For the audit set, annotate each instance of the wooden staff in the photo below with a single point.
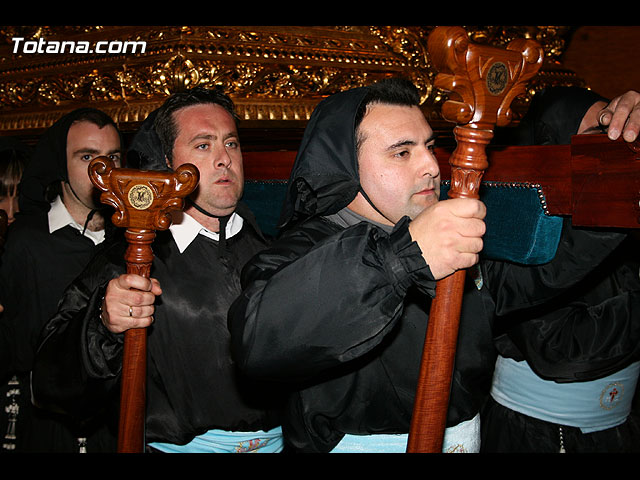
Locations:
(143, 201)
(483, 80)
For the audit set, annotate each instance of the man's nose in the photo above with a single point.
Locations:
(12, 210)
(431, 166)
(223, 160)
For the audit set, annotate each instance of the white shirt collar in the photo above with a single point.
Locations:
(59, 217)
(184, 229)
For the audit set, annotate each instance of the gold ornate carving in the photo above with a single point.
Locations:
(274, 73)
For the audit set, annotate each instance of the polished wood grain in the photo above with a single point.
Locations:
(483, 81)
(605, 182)
(143, 201)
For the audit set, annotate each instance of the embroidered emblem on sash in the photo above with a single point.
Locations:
(458, 448)
(611, 395)
(250, 446)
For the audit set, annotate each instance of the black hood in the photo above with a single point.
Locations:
(555, 115)
(8, 144)
(48, 165)
(324, 178)
(145, 151)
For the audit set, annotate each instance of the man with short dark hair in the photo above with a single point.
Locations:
(338, 305)
(196, 399)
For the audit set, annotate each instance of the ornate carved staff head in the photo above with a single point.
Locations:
(482, 81)
(142, 199)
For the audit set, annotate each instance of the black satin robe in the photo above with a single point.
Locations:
(36, 268)
(192, 383)
(350, 338)
(589, 331)
(341, 313)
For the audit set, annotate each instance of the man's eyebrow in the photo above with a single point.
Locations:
(202, 136)
(403, 143)
(85, 150)
(210, 136)
(93, 151)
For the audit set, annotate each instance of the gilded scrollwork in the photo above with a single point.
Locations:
(274, 72)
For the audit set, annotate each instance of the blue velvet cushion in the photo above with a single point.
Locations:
(518, 229)
(265, 198)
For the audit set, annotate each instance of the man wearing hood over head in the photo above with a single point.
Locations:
(338, 305)
(197, 402)
(58, 229)
(13, 157)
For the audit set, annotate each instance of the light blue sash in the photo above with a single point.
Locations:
(591, 406)
(221, 441)
(462, 438)
(381, 443)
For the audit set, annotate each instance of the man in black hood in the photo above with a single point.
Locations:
(196, 399)
(59, 227)
(13, 157)
(338, 305)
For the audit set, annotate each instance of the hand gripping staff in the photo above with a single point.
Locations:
(482, 80)
(143, 201)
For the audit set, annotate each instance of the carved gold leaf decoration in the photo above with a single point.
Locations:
(272, 72)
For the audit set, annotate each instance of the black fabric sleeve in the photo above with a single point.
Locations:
(581, 319)
(315, 300)
(580, 341)
(78, 361)
(19, 322)
(580, 251)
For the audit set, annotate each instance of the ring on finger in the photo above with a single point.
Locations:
(131, 311)
(601, 118)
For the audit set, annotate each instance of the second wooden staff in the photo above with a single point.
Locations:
(143, 201)
(483, 80)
